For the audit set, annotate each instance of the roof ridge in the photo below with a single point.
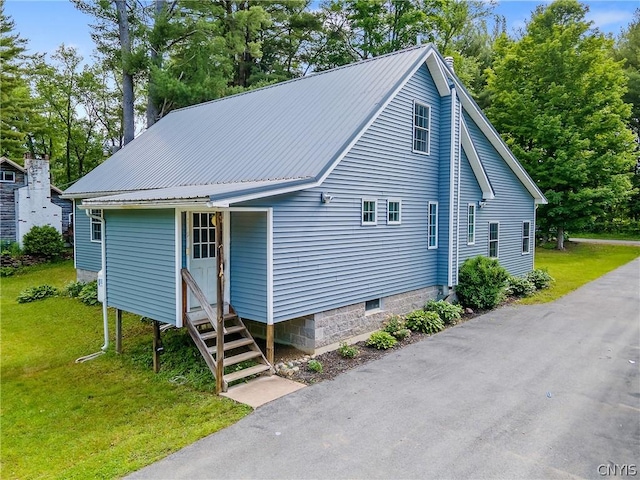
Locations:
(311, 75)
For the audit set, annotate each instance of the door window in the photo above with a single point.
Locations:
(204, 236)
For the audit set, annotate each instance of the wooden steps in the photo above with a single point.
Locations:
(247, 372)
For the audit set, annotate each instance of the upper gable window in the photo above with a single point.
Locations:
(421, 127)
(7, 176)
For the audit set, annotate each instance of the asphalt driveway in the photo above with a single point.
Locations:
(542, 391)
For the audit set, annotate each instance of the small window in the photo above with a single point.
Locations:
(471, 224)
(393, 211)
(370, 305)
(204, 236)
(369, 212)
(96, 226)
(421, 124)
(526, 238)
(433, 225)
(7, 176)
(493, 239)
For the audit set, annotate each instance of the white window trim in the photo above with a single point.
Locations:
(375, 211)
(374, 310)
(496, 240)
(399, 202)
(528, 252)
(413, 128)
(432, 247)
(475, 212)
(4, 180)
(97, 212)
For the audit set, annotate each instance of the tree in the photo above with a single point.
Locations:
(556, 94)
(16, 104)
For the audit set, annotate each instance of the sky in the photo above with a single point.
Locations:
(48, 23)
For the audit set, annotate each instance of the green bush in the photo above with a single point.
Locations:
(315, 366)
(32, 294)
(89, 293)
(347, 351)
(43, 241)
(8, 271)
(519, 287)
(480, 282)
(395, 326)
(425, 322)
(540, 278)
(381, 340)
(448, 312)
(402, 334)
(8, 247)
(73, 289)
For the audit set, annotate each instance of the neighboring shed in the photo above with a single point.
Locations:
(27, 199)
(331, 201)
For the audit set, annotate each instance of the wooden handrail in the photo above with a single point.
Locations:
(202, 299)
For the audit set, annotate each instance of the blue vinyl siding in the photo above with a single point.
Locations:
(323, 257)
(249, 264)
(88, 254)
(141, 275)
(511, 206)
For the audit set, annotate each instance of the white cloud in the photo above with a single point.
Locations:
(604, 18)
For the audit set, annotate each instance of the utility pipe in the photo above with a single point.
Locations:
(105, 318)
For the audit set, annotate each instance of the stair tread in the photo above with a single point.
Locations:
(241, 357)
(247, 372)
(213, 334)
(199, 317)
(233, 344)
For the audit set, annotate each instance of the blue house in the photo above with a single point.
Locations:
(343, 196)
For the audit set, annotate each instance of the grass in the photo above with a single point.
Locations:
(607, 236)
(579, 264)
(100, 419)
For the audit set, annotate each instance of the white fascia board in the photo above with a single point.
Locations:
(494, 138)
(434, 64)
(474, 161)
(143, 205)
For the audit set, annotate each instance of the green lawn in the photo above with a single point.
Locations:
(100, 419)
(607, 236)
(580, 263)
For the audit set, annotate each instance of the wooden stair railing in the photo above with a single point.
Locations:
(238, 345)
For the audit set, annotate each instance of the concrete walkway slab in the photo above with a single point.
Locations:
(262, 390)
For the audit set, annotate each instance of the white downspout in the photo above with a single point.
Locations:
(452, 168)
(105, 318)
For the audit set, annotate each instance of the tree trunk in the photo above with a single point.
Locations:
(560, 239)
(156, 59)
(127, 77)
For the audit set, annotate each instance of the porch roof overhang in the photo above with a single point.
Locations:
(219, 195)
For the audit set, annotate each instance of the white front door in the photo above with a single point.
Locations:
(202, 261)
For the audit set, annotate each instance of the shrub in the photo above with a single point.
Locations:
(381, 340)
(520, 287)
(8, 247)
(347, 351)
(540, 278)
(315, 366)
(73, 289)
(395, 326)
(448, 312)
(8, 271)
(89, 293)
(402, 334)
(480, 282)
(44, 241)
(425, 322)
(32, 294)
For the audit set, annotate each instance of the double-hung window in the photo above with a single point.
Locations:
(493, 239)
(471, 224)
(393, 211)
(526, 238)
(421, 127)
(433, 225)
(7, 176)
(369, 211)
(96, 226)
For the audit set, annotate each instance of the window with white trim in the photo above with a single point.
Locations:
(526, 237)
(372, 305)
(369, 211)
(393, 211)
(494, 232)
(433, 225)
(203, 235)
(7, 176)
(96, 226)
(421, 127)
(471, 224)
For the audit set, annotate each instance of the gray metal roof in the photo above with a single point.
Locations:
(292, 130)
